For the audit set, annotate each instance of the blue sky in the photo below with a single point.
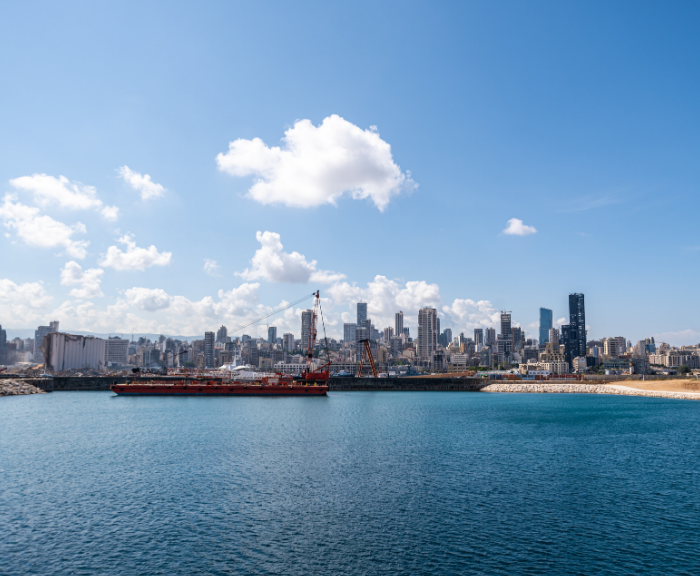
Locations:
(579, 119)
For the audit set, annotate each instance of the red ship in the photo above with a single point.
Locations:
(311, 383)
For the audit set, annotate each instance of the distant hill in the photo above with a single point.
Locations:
(29, 333)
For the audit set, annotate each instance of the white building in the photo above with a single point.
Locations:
(116, 350)
(427, 333)
(69, 352)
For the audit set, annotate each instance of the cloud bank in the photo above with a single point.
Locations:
(318, 165)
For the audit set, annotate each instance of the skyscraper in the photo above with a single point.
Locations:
(479, 336)
(573, 334)
(545, 324)
(39, 334)
(271, 334)
(506, 331)
(288, 342)
(208, 349)
(448, 337)
(427, 333)
(221, 334)
(398, 323)
(490, 336)
(3, 347)
(361, 313)
(305, 327)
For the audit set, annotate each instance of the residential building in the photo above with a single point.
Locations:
(221, 334)
(288, 342)
(39, 334)
(398, 323)
(553, 336)
(427, 333)
(479, 336)
(305, 328)
(506, 331)
(388, 333)
(545, 325)
(349, 333)
(209, 350)
(271, 334)
(490, 336)
(574, 334)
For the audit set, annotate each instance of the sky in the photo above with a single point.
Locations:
(168, 167)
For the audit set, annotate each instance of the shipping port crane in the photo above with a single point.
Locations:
(366, 348)
(321, 374)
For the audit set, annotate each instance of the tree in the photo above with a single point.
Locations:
(683, 369)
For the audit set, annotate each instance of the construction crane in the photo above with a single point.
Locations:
(366, 348)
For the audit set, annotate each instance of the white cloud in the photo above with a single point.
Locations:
(149, 299)
(317, 165)
(42, 231)
(49, 190)
(110, 212)
(134, 258)
(211, 267)
(679, 338)
(271, 263)
(22, 304)
(517, 228)
(469, 314)
(88, 280)
(142, 183)
(562, 320)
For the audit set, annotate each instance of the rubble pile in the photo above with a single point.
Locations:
(18, 387)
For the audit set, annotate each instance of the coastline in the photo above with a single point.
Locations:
(579, 388)
(18, 388)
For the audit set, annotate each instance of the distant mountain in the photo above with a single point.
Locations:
(29, 333)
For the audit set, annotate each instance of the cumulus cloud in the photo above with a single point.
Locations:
(149, 299)
(134, 258)
(141, 183)
(88, 280)
(42, 231)
(273, 264)
(50, 190)
(22, 304)
(472, 314)
(517, 228)
(110, 212)
(317, 165)
(211, 267)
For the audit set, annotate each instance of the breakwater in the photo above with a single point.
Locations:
(578, 388)
(18, 387)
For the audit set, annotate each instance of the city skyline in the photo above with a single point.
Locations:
(202, 193)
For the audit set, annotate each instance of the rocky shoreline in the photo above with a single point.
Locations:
(578, 388)
(18, 388)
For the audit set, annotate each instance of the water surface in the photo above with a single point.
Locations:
(355, 483)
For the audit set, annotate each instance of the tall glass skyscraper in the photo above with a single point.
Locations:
(545, 324)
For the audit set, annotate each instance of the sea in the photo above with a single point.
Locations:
(353, 483)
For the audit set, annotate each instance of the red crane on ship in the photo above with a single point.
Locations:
(323, 373)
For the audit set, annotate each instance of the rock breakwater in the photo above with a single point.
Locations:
(579, 388)
(18, 388)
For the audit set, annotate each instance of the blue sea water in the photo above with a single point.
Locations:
(355, 483)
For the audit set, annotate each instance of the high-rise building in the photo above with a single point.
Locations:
(288, 342)
(518, 340)
(574, 334)
(490, 336)
(438, 326)
(398, 323)
(388, 333)
(545, 325)
(479, 336)
(39, 334)
(506, 331)
(349, 332)
(553, 336)
(361, 313)
(427, 333)
(271, 334)
(221, 334)
(3, 347)
(209, 350)
(448, 337)
(116, 350)
(305, 328)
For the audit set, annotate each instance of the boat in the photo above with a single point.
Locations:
(240, 382)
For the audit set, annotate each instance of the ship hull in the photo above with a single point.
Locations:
(217, 390)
